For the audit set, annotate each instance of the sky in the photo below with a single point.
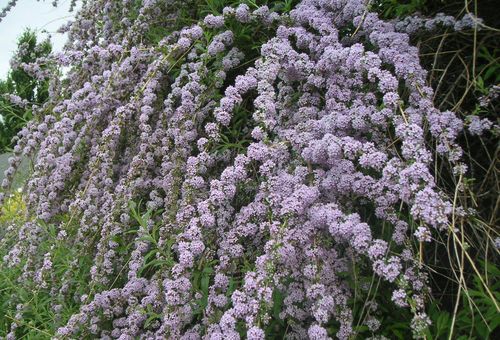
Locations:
(37, 15)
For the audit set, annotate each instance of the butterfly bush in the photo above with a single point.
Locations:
(335, 172)
(3, 13)
(413, 24)
(12, 3)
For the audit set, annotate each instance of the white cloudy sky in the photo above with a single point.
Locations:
(37, 15)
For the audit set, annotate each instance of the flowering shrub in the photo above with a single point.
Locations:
(230, 185)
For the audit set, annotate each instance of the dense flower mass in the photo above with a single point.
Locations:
(331, 119)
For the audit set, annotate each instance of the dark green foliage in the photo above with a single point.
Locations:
(477, 316)
(399, 8)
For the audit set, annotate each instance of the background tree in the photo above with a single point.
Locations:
(20, 89)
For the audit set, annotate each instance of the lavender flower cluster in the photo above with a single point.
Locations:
(413, 24)
(338, 124)
(7, 9)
